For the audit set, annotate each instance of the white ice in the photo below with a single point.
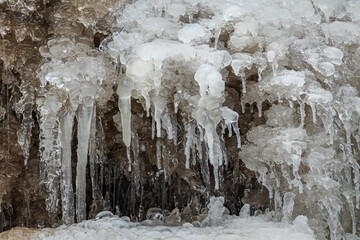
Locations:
(233, 228)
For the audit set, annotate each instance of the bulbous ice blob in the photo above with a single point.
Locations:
(326, 69)
(335, 55)
(193, 33)
(209, 80)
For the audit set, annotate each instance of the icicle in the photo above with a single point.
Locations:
(274, 68)
(201, 133)
(231, 119)
(193, 152)
(223, 152)
(291, 104)
(296, 181)
(236, 128)
(152, 128)
(212, 141)
(331, 210)
(166, 122)
(199, 150)
(357, 139)
(165, 157)
(251, 108)
(263, 172)
(24, 134)
(349, 199)
(147, 103)
(242, 106)
(328, 122)
(229, 127)
(286, 174)
(92, 154)
(260, 70)
(189, 139)
(158, 153)
(302, 112)
(175, 124)
(356, 171)
(259, 106)
(275, 175)
(313, 110)
(135, 149)
(217, 35)
(176, 101)
(84, 124)
(159, 107)
(288, 206)
(348, 135)
(216, 175)
(124, 93)
(100, 141)
(204, 166)
(277, 201)
(50, 150)
(66, 127)
(243, 82)
(128, 154)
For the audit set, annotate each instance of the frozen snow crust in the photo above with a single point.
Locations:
(177, 56)
(113, 227)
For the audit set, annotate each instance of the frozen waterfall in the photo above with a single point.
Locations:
(174, 102)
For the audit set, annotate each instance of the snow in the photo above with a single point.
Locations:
(233, 227)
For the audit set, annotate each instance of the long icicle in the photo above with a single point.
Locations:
(67, 197)
(84, 123)
(92, 155)
(124, 93)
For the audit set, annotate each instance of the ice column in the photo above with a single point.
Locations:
(124, 93)
(67, 197)
(26, 108)
(92, 154)
(208, 115)
(288, 206)
(73, 78)
(84, 123)
(50, 149)
(24, 134)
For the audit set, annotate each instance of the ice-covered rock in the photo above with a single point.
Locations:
(296, 62)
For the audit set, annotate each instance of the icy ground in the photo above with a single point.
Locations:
(233, 227)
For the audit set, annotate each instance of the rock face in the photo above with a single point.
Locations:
(136, 106)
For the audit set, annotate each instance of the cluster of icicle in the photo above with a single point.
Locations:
(73, 81)
(175, 57)
(297, 49)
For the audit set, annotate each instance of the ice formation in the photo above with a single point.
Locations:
(302, 62)
(242, 228)
(176, 58)
(109, 226)
(75, 84)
